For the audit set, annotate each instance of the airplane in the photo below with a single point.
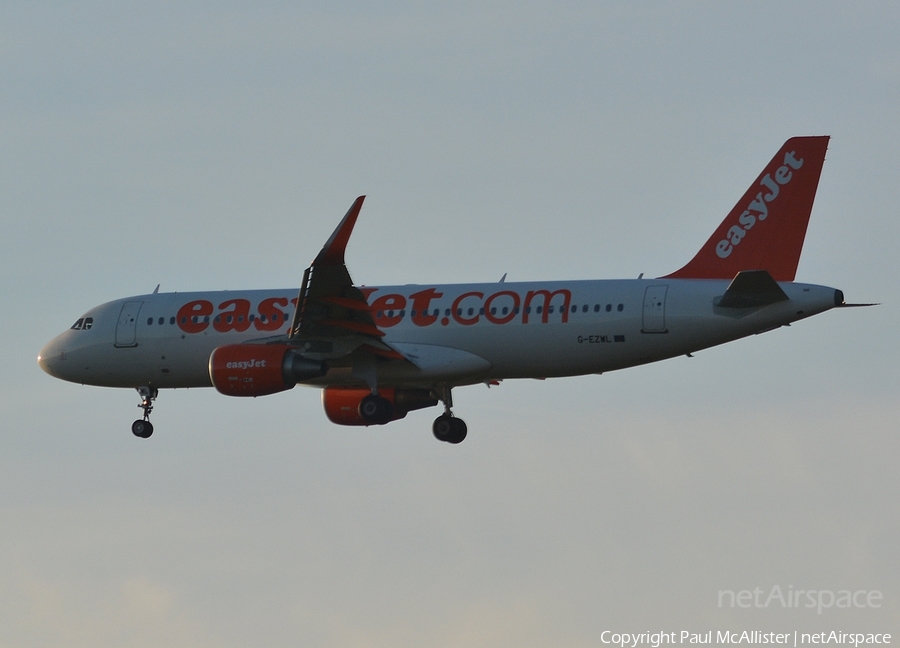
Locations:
(381, 352)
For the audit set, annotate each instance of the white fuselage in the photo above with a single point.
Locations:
(464, 333)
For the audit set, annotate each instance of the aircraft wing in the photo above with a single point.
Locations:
(329, 305)
(332, 318)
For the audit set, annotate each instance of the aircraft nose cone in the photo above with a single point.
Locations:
(49, 356)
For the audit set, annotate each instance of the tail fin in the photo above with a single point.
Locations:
(765, 230)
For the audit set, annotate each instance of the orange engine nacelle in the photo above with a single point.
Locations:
(342, 403)
(259, 369)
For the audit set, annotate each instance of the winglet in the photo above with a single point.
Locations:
(333, 251)
(766, 228)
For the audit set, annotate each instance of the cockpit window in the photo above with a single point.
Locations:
(83, 324)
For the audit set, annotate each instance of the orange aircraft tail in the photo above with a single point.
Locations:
(766, 228)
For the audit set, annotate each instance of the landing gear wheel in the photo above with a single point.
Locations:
(375, 410)
(459, 431)
(442, 427)
(449, 429)
(142, 429)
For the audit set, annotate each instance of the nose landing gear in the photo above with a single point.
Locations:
(142, 427)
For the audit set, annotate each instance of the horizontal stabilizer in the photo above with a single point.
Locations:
(751, 289)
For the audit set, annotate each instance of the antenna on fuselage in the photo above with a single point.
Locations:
(156, 290)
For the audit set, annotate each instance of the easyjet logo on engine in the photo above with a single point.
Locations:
(758, 210)
(246, 364)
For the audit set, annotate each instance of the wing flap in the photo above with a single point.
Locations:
(440, 361)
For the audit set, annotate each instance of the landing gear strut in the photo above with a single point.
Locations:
(142, 427)
(447, 427)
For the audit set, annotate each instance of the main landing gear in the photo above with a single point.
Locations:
(447, 427)
(142, 427)
(375, 409)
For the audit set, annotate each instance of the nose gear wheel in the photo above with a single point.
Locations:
(142, 427)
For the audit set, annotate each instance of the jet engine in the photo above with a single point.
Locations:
(358, 406)
(259, 369)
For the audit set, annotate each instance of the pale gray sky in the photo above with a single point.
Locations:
(216, 145)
